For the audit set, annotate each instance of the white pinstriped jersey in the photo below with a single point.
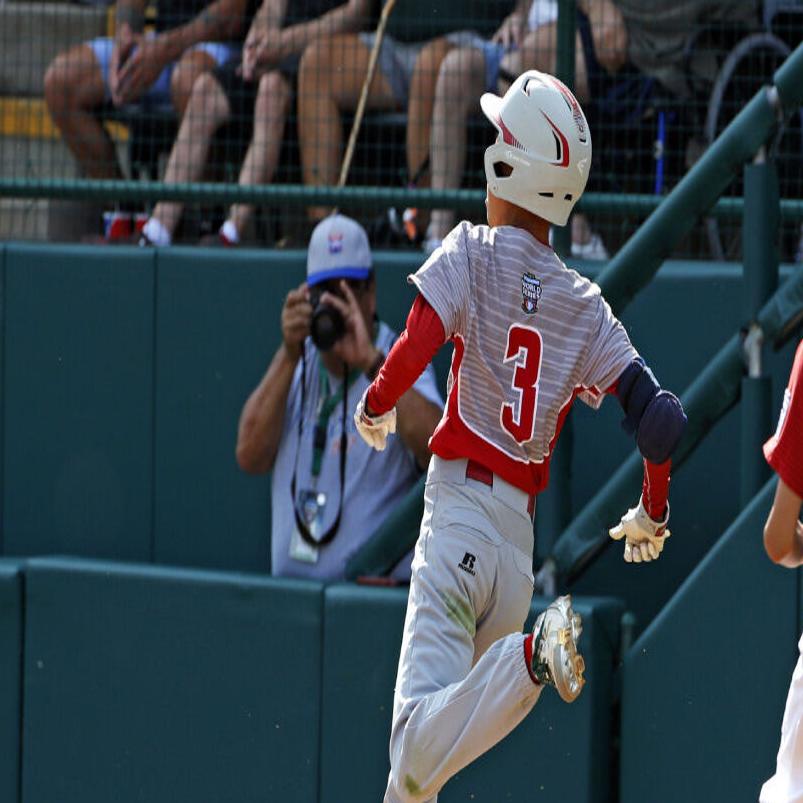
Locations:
(529, 336)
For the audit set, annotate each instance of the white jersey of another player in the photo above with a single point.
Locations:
(529, 336)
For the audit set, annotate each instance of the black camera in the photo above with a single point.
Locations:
(327, 325)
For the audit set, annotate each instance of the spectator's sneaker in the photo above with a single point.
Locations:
(411, 227)
(556, 661)
(117, 226)
(593, 249)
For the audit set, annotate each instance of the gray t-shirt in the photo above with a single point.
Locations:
(374, 481)
(659, 32)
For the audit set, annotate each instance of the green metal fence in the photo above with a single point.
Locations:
(657, 85)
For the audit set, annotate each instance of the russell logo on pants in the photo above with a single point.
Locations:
(467, 564)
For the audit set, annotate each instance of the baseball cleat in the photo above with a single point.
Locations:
(556, 661)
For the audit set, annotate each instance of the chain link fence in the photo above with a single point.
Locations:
(247, 94)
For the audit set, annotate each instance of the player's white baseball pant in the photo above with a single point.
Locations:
(786, 786)
(463, 682)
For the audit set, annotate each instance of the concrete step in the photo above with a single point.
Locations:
(32, 34)
(23, 219)
(44, 219)
(22, 157)
(36, 158)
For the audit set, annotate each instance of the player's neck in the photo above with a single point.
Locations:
(512, 215)
(539, 228)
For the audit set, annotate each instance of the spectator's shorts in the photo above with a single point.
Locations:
(397, 60)
(159, 92)
(242, 94)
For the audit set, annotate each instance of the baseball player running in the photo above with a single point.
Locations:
(529, 336)
(783, 541)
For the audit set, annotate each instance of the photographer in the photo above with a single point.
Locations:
(329, 494)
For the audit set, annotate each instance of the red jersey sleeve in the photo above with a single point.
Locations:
(784, 450)
(411, 353)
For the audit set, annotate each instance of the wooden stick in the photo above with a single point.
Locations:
(369, 76)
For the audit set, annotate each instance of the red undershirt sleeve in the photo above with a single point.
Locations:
(410, 355)
(655, 488)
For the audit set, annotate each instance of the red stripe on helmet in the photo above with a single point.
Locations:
(507, 134)
(574, 106)
(564, 143)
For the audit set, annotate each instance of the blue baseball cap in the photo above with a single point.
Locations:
(338, 249)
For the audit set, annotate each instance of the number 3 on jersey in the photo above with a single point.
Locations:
(523, 346)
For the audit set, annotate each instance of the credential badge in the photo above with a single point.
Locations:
(530, 293)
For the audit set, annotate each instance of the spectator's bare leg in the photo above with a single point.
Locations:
(539, 51)
(460, 81)
(206, 110)
(270, 113)
(330, 78)
(191, 65)
(422, 100)
(73, 90)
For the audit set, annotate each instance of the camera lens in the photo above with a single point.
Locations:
(327, 326)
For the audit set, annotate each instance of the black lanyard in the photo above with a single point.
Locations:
(320, 433)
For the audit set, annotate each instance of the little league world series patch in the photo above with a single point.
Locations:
(530, 293)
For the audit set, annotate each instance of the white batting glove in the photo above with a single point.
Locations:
(375, 429)
(644, 538)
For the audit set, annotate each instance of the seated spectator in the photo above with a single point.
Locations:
(783, 541)
(258, 92)
(331, 77)
(659, 32)
(330, 492)
(140, 69)
(526, 39)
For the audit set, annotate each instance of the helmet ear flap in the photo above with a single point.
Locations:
(497, 167)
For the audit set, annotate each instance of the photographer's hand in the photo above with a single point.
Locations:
(296, 317)
(355, 347)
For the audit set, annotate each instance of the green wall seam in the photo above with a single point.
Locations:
(2, 387)
(154, 396)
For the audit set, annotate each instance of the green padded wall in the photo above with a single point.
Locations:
(77, 416)
(10, 678)
(2, 381)
(146, 684)
(217, 326)
(704, 303)
(704, 687)
(559, 753)
(126, 371)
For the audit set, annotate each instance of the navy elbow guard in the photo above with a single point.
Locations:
(655, 416)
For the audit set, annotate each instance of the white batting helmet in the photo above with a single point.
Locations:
(544, 139)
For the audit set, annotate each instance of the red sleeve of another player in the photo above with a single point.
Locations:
(410, 355)
(655, 488)
(784, 450)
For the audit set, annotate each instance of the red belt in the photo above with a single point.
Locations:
(476, 471)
